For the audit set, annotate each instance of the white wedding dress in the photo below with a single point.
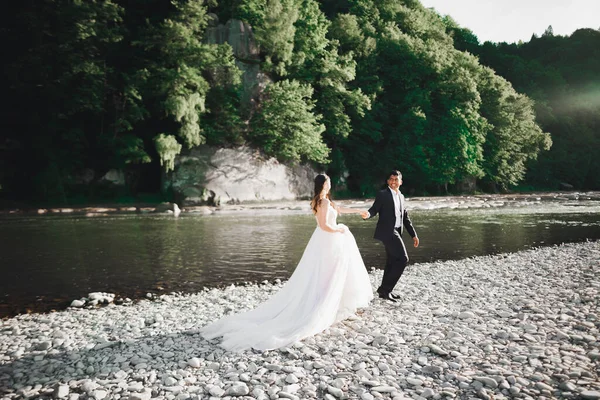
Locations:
(328, 285)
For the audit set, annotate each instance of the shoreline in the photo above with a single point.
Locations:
(415, 203)
(523, 324)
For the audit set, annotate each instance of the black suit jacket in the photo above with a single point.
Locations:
(384, 206)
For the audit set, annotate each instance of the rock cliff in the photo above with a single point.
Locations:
(210, 176)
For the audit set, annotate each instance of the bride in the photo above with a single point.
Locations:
(328, 285)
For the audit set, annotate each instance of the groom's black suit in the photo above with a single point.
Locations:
(391, 237)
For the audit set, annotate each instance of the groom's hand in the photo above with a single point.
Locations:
(364, 214)
(416, 241)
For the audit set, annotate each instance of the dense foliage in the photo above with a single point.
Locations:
(562, 75)
(356, 86)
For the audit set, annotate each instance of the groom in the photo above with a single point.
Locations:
(393, 217)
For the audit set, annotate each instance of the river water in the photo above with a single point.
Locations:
(47, 261)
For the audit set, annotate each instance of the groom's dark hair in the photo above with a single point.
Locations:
(394, 172)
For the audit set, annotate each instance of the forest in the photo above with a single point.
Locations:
(355, 87)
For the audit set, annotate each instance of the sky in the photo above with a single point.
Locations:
(514, 20)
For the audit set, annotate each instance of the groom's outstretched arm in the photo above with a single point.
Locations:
(376, 207)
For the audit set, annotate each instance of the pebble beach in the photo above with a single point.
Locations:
(519, 325)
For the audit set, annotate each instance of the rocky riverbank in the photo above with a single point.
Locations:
(520, 325)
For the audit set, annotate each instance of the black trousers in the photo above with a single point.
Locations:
(395, 263)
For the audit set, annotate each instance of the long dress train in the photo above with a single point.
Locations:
(328, 285)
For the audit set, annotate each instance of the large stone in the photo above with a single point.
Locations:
(168, 207)
(590, 394)
(438, 350)
(61, 391)
(77, 303)
(194, 362)
(238, 389)
(565, 186)
(210, 176)
(116, 177)
(145, 395)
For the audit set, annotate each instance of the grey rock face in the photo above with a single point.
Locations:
(210, 176)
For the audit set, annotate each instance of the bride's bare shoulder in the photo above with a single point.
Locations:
(323, 204)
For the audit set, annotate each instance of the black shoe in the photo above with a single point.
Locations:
(388, 297)
(394, 296)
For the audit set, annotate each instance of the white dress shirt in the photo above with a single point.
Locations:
(397, 207)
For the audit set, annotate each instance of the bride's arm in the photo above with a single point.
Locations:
(322, 210)
(346, 210)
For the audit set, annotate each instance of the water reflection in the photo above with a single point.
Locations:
(59, 258)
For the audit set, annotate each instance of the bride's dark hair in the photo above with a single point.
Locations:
(319, 183)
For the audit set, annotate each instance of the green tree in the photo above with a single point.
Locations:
(107, 77)
(515, 137)
(286, 127)
(317, 62)
(62, 72)
(560, 74)
(273, 24)
(359, 86)
(428, 116)
(177, 65)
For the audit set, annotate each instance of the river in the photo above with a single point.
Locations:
(49, 260)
